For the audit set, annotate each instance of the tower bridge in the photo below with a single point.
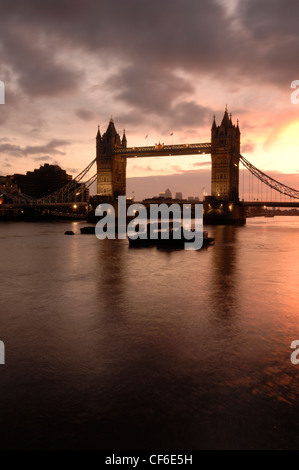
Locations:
(112, 154)
(222, 206)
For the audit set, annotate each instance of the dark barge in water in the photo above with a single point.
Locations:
(175, 239)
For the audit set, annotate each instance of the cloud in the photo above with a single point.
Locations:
(247, 147)
(44, 158)
(160, 65)
(205, 164)
(131, 28)
(147, 168)
(160, 47)
(158, 93)
(18, 151)
(190, 114)
(177, 168)
(154, 39)
(51, 147)
(271, 28)
(148, 89)
(85, 114)
(10, 149)
(35, 61)
(73, 171)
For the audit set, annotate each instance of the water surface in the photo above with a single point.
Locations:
(109, 347)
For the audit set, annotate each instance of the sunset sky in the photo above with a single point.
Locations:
(158, 67)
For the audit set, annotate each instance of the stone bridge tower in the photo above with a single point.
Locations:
(225, 148)
(111, 169)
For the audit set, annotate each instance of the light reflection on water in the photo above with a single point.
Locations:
(114, 348)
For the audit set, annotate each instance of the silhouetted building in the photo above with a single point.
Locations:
(46, 180)
(178, 195)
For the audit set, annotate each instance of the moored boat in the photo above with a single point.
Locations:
(153, 236)
(186, 237)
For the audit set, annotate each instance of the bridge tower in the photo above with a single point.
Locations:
(111, 169)
(225, 148)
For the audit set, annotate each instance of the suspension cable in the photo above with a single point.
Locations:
(269, 181)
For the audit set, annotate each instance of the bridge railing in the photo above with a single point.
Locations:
(16, 197)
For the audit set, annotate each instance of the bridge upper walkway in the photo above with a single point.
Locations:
(161, 150)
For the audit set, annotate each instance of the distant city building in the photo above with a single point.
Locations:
(190, 198)
(46, 180)
(166, 194)
(178, 195)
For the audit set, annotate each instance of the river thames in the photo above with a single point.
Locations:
(114, 348)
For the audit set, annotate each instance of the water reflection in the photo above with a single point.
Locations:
(224, 292)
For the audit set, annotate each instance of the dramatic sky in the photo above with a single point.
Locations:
(158, 67)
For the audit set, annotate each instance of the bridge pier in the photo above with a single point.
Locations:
(223, 212)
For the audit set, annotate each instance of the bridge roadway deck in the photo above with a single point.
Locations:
(43, 205)
(241, 203)
(269, 204)
(168, 202)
